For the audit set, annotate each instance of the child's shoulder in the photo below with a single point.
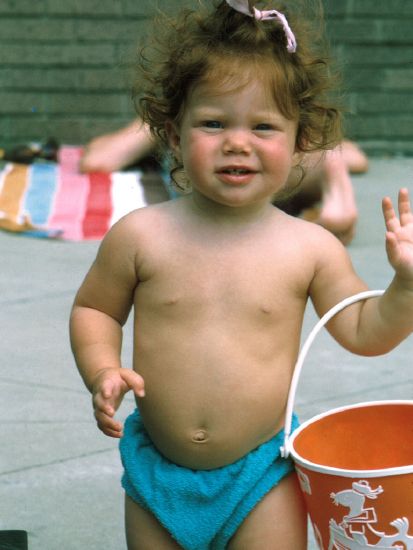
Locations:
(144, 220)
(305, 230)
(137, 233)
(314, 244)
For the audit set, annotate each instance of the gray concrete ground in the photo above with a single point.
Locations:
(59, 477)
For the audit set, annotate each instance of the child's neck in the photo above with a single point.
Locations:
(222, 215)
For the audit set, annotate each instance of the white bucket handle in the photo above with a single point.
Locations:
(285, 450)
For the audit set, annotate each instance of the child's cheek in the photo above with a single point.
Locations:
(199, 154)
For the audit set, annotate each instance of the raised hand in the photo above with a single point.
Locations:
(399, 235)
(109, 388)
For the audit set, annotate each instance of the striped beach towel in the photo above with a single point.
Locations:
(54, 200)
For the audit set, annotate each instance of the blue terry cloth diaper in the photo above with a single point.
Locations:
(201, 509)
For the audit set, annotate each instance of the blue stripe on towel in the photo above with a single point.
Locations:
(41, 191)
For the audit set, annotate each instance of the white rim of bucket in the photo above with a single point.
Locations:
(299, 460)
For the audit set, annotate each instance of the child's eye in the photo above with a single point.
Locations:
(264, 127)
(212, 124)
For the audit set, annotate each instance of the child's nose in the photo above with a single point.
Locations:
(236, 142)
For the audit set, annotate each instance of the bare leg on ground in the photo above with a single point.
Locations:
(117, 150)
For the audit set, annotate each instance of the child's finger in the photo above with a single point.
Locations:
(392, 247)
(108, 425)
(134, 381)
(405, 211)
(106, 389)
(391, 220)
(104, 400)
(112, 433)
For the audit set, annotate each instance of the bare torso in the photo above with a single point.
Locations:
(217, 328)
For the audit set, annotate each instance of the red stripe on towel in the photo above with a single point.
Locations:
(99, 206)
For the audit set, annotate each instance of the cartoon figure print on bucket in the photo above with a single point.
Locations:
(355, 466)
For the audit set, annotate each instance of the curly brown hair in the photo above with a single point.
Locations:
(228, 48)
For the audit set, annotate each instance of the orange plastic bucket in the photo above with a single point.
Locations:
(355, 467)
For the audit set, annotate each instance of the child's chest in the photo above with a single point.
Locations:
(227, 277)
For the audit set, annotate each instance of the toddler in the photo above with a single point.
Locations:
(218, 280)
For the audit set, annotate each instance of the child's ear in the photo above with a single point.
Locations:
(174, 139)
(297, 157)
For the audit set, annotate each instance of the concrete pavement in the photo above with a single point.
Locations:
(59, 477)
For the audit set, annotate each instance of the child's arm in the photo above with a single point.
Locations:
(395, 308)
(101, 308)
(374, 326)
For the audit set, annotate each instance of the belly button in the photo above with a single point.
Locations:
(200, 436)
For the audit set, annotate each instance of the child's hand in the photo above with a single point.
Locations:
(399, 235)
(109, 389)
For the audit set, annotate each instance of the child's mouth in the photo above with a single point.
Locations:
(236, 171)
(236, 175)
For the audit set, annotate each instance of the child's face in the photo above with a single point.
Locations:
(236, 147)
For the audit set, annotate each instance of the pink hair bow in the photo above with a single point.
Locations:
(242, 6)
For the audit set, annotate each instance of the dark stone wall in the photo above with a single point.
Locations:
(66, 67)
(373, 43)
